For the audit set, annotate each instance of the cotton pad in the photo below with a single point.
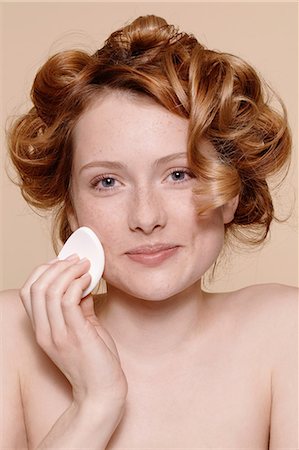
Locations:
(85, 243)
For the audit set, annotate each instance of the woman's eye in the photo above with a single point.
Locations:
(181, 175)
(104, 183)
(107, 183)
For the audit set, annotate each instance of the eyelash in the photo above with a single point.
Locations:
(95, 182)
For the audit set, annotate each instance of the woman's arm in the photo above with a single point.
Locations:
(69, 332)
(284, 410)
(12, 423)
(87, 426)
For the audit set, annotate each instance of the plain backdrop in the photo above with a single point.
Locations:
(265, 34)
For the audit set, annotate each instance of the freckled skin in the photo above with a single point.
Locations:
(204, 370)
(144, 206)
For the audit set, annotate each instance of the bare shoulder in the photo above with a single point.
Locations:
(13, 311)
(15, 323)
(15, 336)
(17, 333)
(279, 304)
(267, 314)
(283, 302)
(276, 302)
(10, 301)
(9, 298)
(13, 320)
(272, 312)
(276, 308)
(279, 294)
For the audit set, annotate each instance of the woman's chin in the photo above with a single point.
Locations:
(151, 293)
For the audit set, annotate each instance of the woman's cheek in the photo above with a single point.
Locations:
(108, 223)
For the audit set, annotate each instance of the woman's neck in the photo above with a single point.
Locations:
(147, 329)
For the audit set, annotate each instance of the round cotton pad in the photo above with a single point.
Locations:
(85, 243)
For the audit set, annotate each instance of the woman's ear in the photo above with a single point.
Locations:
(229, 209)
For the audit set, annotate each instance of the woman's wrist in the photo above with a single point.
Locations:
(98, 412)
(84, 425)
(99, 419)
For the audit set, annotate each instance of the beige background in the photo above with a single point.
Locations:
(265, 34)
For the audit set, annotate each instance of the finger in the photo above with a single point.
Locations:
(73, 316)
(55, 295)
(25, 294)
(39, 292)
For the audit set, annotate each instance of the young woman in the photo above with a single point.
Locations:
(163, 148)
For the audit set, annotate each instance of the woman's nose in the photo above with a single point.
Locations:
(147, 211)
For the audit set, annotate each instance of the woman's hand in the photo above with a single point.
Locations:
(69, 332)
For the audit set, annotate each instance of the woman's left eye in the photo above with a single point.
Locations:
(180, 175)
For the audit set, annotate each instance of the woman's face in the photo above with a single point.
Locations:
(132, 185)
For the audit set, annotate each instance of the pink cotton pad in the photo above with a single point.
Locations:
(85, 243)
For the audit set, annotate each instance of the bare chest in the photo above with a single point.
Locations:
(217, 398)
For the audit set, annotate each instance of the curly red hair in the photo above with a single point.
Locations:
(221, 95)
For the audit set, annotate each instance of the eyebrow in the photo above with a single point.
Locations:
(118, 165)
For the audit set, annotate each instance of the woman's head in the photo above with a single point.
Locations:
(219, 94)
(132, 185)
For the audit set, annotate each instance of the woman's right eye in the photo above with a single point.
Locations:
(103, 183)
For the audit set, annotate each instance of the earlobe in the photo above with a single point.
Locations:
(229, 209)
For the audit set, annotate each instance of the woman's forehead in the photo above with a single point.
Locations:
(119, 123)
(113, 105)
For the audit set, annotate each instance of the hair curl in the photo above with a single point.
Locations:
(221, 95)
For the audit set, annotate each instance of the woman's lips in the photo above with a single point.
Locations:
(153, 258)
